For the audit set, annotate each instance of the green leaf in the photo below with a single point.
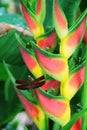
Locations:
(10, 105)
(78, 57)
(30, 4)
(48, 23)
(3, 75)
(9, 50)
(78, 22)
(14, 71)
(8, 109)
(70, 8)
(56, 126)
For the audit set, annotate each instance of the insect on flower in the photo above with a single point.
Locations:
(31, 84)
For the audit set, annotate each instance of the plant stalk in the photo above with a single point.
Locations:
(84, 96)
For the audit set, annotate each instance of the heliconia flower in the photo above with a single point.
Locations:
(35, 27)
(50, 70)
(47, 41)
(31, 63)
(41, 10)
(54, 65)
(72, 40)
(70, 86)
(77, 125)
(34, 111)
(57, 108)
(60, 21)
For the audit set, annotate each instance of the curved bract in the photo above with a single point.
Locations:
(54, 84)
(72, 84)
(34, 111)
(35, 27)
(57, 108)
(54, 65)
(29, 58)
(70, 42)
(47, 41)
(31, 63)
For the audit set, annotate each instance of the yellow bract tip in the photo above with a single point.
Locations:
(37, 71)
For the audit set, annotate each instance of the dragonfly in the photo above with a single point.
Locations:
(31, 84)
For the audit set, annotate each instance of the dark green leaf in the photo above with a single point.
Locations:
(83, 5)
(8, 109)
(3, 75)
(9, 50)
(10, 105)
(71, 8)
(48, 23)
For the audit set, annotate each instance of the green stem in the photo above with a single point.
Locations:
(56, 126)
(84, 96)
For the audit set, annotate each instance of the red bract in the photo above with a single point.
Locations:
(34, 111)
(31, 63)
(47, 41)
(73, 83)
(71, 41)
(54, 65)
(57, 108)
(33, 24)
(54, 84)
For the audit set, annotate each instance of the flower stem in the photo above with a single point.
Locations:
(56, 126)
(84, 96)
